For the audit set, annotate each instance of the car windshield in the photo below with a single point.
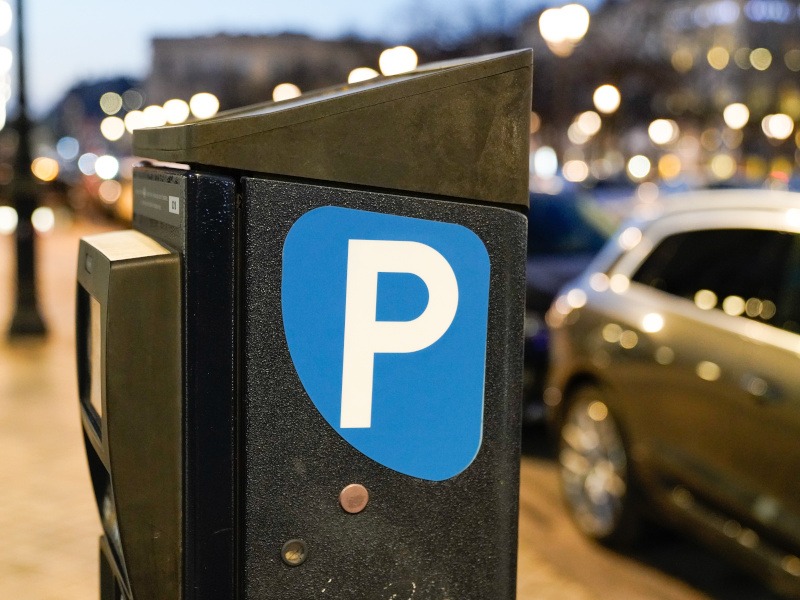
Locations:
(566, 224)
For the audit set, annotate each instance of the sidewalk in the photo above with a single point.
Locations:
(48, 520)
(49, 525)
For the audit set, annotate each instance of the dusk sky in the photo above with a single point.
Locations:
(72, 41)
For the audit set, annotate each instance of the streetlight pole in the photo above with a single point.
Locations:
(27, 320)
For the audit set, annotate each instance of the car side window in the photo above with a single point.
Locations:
(753, 273)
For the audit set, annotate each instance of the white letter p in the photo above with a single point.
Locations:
(365, 336)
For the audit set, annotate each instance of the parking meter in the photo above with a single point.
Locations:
(300, 371)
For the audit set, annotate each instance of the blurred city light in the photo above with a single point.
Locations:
(563, 28)
(111, 103)
(361, 74)
(155, 116)
(742, 58)
(8, 220)
(86, 163)
(682, 60)
(45, 168)
(669, 166)
(639, 166)
(397, 60)
(106, 167)
(176, 111)
(43, 219)
(663, 131)
(705, 299)
(779, 126)
(112, 128)
(204, 105)
(68, 148)
(630, 238)
(761, 59)
(589, 122)
(575, 171)
(718, 57)
(606, 99)
(545, 162)
(6, 17)
(132, 99)
(652, 323)
(110, 191)
(134, 120)
(285, 91)
(722, 166)
(6, 60)
(708, 371)
(792, 59)
(736, 115)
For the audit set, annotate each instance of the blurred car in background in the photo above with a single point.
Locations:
(675, 379)
(565, 231)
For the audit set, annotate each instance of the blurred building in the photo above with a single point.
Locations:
(684, 62)
(244, 69)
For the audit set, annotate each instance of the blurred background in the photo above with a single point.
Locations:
(632, 100)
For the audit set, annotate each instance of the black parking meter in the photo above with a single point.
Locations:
(300, 371)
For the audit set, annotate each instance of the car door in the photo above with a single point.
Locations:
(765, 421)
(698, 279)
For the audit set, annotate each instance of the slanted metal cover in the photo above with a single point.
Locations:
(457, 128)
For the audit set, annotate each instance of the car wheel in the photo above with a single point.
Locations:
(594, 470)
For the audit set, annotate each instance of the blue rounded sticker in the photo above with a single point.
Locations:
(385, 317)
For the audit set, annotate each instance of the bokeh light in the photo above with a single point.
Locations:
(361, 74)
(176, 111)
(736, 115)
(779, 126)
(606, 98)
(132, 99)
(285, 91)
(397, 60)
(682, 60)
(43, 219)
(112, 128)
(111, 103)
(639, 167)
(68, 148)
(545, 162)
(8, 220)
(6, 17)
(761, 59)
(722, 166)
(204, 105)
(110, 191)
(45, 168)
(718, 57)
(155, 116)
(106, 167)
(6, 60)
(792, 59)
(86, 163)
(134, 120)
(669, 166)
(562, 28)
(663, 131)
(575, 171)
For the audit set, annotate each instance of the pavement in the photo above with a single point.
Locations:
(49, 526)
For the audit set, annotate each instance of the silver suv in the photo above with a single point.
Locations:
(675, 379)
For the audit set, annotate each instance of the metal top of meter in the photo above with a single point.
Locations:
(458, 128)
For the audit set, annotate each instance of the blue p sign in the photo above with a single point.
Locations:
(385, 318)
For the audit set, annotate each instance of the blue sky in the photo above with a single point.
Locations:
(71, 41)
